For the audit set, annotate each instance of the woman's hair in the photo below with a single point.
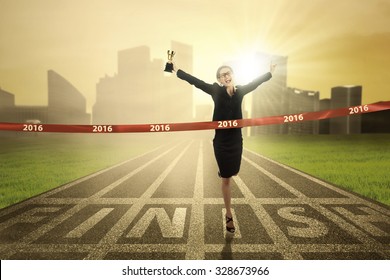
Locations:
(223, 66)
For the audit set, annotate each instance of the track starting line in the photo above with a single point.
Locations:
(171, 127)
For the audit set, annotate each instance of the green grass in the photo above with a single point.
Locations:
(359, 163)
(30, 165)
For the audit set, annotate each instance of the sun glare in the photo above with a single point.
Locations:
(249, 66)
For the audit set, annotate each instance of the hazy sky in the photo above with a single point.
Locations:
(328, 42)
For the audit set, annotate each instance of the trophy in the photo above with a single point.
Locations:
(169, 64)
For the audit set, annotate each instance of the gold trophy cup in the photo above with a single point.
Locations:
(169, 64)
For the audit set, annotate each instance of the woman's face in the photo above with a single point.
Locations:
(226, 77)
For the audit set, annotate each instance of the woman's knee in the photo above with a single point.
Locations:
(226, 181)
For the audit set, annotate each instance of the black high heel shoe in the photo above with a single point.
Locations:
(230, 229)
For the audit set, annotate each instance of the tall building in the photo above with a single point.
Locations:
(7, 104)
(300, 101)
(376, 122)
(270, 98)
(324, 125)
(66, 104)
(7, 99)
(107, 98)
(346, 96)
(141, 92)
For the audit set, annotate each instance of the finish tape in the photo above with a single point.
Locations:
(170, 127)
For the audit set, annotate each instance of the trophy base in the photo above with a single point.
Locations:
(168, 67)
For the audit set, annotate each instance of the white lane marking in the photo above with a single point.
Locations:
(31, 237)
(131, 174)
(339, 190)
(312, 229)
(195, 243)
(273, 230)
(346, 224)
(365, 220)
(279, 246)
(80, 230)
(274, 178)
(217, 248)
(116, 231)
(169, 229)
(29, 216)
(68, 185)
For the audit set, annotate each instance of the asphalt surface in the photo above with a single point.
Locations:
(167, 204)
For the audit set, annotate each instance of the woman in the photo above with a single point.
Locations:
(227, 143)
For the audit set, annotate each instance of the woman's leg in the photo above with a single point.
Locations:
(227, 197)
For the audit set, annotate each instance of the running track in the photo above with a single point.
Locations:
(166, 204)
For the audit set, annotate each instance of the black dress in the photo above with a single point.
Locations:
(227, 142)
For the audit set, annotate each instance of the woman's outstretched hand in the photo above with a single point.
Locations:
(174, 66)
(272, 67)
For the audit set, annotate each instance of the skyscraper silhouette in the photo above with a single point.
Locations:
(341, 97)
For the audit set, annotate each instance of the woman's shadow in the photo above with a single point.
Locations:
(227, 253)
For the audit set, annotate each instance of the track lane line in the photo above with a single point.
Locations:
(339, 190)
(10, 249)
(104, 245)
(195, 244)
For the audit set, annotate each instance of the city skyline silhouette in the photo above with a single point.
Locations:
(345, 43)
(147, 95)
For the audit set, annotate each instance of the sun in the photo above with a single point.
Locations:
(250, 66)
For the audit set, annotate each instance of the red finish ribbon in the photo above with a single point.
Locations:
(169, 127)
